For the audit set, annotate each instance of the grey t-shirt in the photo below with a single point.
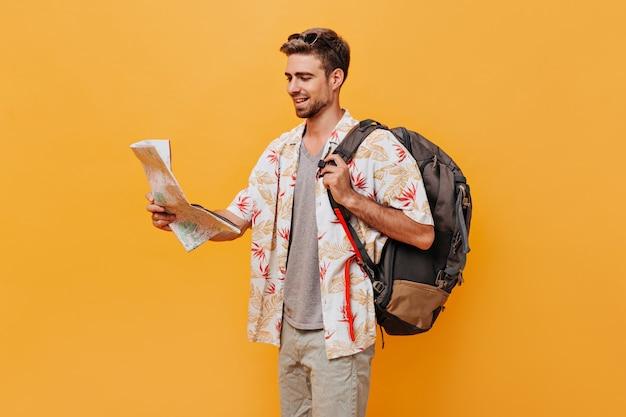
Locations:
(303, 300)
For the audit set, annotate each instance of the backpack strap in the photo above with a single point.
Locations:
(362, 258)
(346, 151)
(456, 262)
(353, 139)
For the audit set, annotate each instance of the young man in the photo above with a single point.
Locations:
(308, 296)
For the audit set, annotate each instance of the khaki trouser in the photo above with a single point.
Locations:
(313, 386)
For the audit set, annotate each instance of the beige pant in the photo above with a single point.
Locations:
(313, 386)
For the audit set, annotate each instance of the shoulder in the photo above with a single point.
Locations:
(269, 158)
(382, 137)
(381, 146)
(287, 137)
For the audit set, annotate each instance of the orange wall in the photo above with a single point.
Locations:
(103, 316)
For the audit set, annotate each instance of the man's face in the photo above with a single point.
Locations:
(307, 84)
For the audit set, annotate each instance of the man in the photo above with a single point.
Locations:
(308, 296)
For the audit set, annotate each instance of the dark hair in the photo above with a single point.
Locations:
(330, 48)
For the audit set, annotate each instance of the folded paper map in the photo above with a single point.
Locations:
(194, 224)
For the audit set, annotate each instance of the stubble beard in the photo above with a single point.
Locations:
(312, 110)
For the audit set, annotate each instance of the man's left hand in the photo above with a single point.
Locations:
(337, 179)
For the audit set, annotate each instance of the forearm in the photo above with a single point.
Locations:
(241, 224)
(390, 221)
(228, 235)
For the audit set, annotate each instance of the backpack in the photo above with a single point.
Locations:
(412, 285)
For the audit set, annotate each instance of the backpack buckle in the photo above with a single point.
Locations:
(378, 286)
(441, 280)
(465, 200)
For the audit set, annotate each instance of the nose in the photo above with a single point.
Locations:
(293, 87)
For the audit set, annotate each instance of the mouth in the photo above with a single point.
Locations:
(300, 100)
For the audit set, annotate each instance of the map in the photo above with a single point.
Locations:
(194, 224)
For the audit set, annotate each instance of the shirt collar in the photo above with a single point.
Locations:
(338, 133)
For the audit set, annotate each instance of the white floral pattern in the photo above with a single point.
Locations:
(379, 170)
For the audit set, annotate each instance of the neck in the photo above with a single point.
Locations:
(321, 125)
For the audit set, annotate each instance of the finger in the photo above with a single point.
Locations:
(161, 223)
(153, 208)
(329, 181)
(328, 169)
(149, 197)
(337, 159)
(164, 216)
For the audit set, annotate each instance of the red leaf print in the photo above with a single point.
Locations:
(270, 288)
(284, 233)
(344, 314)
(358, 181)
(400, 152)
(334, 135)
(408, 196)
(243, 204)
(273, 157)
(255, 214)
(293, 180)
(257, 251)
(323, 270)
(265, 270)
(372, 195)
(279, 325)
(328, 335)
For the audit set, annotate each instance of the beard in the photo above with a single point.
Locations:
(311, 110)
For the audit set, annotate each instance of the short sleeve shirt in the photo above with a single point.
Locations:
(381, 170)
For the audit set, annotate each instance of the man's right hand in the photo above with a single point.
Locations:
(160, 218)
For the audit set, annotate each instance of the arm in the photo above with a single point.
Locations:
(239, 211)
(161, 220)
(239, 222)
(389, 221)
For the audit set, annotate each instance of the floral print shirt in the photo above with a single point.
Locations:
(382, 170)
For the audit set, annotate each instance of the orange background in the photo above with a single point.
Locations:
(103, 315)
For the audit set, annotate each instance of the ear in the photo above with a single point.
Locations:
(335, 79)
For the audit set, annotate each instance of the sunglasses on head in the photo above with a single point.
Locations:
(312, 37)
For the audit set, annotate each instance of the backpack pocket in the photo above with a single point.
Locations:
(415, 303)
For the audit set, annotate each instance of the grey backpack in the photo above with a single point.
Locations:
(412, 285)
